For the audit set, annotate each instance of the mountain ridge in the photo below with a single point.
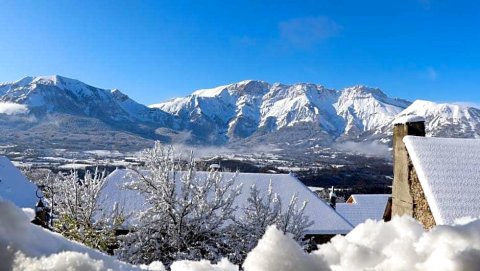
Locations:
(257, 105)
(246, 113)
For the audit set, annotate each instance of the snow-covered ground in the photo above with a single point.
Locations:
(15, 186)
(24, 246)
(401, 244)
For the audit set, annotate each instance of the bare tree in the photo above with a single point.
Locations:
(187, 213)
(262, 211)
(194, 215)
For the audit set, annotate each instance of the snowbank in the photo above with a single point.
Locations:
(24, 246)
(223, 265)
(279, 252)
(401, 244)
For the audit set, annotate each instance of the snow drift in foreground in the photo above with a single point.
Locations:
(24, 246)
(401, 244)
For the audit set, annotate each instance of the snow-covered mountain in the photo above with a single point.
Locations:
(447, 120)
(249, 108)
(58, 112)
(68, 112)
(56, 94)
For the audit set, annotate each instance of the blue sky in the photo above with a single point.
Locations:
(155, 50)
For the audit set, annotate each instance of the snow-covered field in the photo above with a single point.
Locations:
(401, 244)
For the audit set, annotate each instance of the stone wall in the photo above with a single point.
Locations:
(421, 209)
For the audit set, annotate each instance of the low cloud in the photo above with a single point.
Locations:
(371, 149)
(210, 151)
(9, 108)
(308, 31)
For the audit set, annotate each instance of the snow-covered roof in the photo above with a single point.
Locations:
(34, 242)
(359, 208)
(113, 193)
(325, 219)
(449, 173)
(14, 186)
(408, 119)
(315, 189)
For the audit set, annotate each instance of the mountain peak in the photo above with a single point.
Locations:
(242, 87)
(446, 110)
(424, 103)
(362, 90)
(56, 80)
(51, 78)
(447, 119)
(249, 82)
(117, 94)
(250, 87)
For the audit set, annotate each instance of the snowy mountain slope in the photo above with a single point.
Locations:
(68, 112)
(447, 120)
(366, 109)
(222, 112)
(56, 94)
(55, 111)
(254, 107)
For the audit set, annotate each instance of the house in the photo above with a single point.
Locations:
(436, 180)
(360, 207)
(326, 222)
(14, 186)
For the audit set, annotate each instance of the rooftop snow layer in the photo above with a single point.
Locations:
(359, 208)
(325, 219)
(449, 172)
(408, 118)
(14, 186)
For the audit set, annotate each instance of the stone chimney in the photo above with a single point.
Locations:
(402, 201)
